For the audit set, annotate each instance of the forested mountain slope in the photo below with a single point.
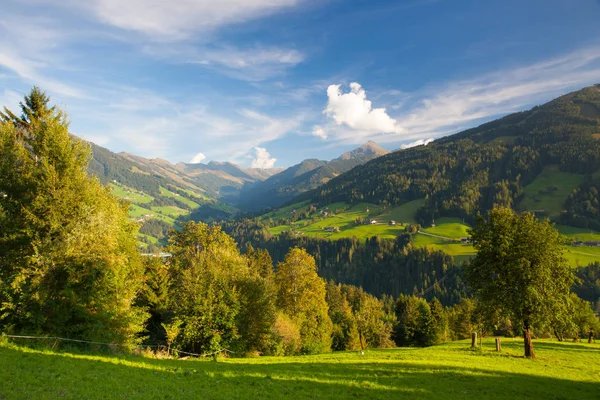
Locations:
(496, 163)
(307, 175)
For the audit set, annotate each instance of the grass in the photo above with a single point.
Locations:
(166, 193)
(404, 213)
(449, 227)
(537, 195)
(449, 371)
(445, 236)
(131, 195)
(580, 234)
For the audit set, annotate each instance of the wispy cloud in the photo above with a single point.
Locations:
(446, 108)
(176, 21)
(23, 53)
(255, 63)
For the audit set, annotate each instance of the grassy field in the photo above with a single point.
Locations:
(131, 195)
(448, 371)
(444, 236)
(537, 195)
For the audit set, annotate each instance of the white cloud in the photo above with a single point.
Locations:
(263, 159)
(354, 110)
(178, 20)
(198, 158)
(319, 131)
(448, 107)
(255, 63)
(419, 142)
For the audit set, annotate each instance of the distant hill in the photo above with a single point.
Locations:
(300, 178)
(534, 160)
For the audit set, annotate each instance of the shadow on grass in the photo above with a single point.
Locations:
(566, 346)
(32, 374)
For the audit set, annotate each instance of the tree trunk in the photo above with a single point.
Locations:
(474, 339)
(591, 336)
(498, 344)
(558, 336)
(527, 341)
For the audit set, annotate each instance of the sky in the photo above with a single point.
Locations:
(268, 83)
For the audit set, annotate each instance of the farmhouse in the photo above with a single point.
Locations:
(331, 229)
(465, 240)
(373, 222)
(392, 222)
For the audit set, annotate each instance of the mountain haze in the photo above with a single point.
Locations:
(302, 177)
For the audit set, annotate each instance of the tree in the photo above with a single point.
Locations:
(520, 271)
(68, 262)
(206, 271)
(301, 295)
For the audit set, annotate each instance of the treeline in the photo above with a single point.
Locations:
(470, 172)
(380, 266)
(582, 208)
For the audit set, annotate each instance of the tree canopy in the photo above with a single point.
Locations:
(68, 262)
(520, 271)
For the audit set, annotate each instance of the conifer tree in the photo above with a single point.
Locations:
(68, 262)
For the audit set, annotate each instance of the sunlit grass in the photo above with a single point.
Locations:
(448, 371)
(538, 197)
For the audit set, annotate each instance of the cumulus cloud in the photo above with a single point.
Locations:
(319, 131)
(198, 158)
(354, 110)
(263, 159)
(419, 142)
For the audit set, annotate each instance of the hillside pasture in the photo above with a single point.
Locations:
(449, 371)
(130, 195)
(549, 191)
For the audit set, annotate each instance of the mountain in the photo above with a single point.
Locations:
(302, 177)
(545, 160)
(367, 150)
(161, 193)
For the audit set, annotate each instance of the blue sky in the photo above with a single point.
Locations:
(271, 82)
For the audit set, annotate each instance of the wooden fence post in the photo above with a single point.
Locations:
(498, 344)
(474, 339)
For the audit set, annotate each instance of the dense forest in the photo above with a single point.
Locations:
(467, 173)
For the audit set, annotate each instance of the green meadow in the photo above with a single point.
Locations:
(549, 191)
(446, 371)
(445, 235)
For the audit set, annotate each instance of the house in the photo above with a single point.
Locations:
(392, 222)
(465, 240)
(592, 243)
(373, 222)
(331, 229)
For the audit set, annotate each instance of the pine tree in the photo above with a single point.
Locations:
(68, 263)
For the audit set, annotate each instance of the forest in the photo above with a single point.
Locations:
(69, 267)
(468, 173)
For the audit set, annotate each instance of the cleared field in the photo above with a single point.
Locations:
(136, 211)
(578, 233)
(130, 195)
(404, 213)
(448, 371)
(166, 193)
(449, 227)
(549, 191)
(171, 211)
(444, 236)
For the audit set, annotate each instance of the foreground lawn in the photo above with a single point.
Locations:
(448, 371)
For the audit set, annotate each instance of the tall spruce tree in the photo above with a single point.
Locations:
(68, 263)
